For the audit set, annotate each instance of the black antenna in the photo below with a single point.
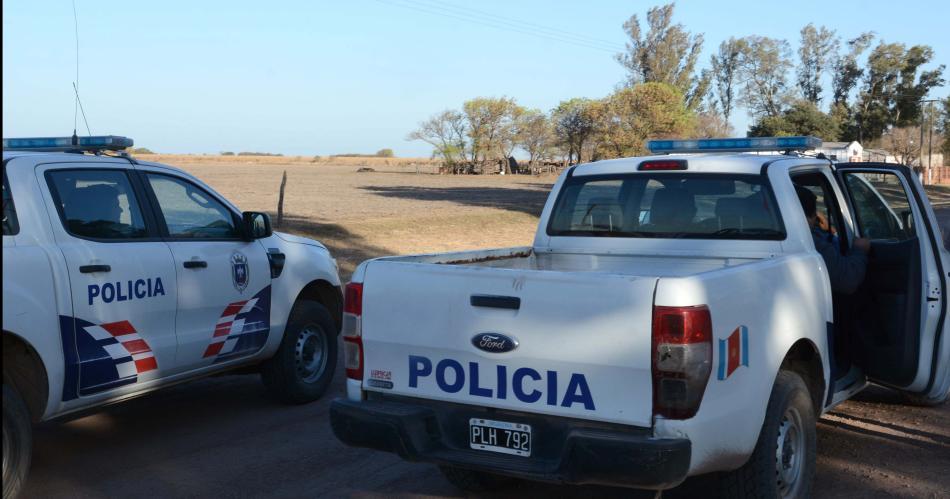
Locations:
(77, 105)
(83, 111)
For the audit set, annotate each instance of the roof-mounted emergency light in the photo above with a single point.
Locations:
(74, 143)
(750, 144)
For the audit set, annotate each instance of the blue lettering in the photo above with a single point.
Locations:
(118, 292)
(108, 292)
(159, 289)
(418, 367)
(517, 384)
(93, 292)
(440, 375)
(474, 389)
(578, 391)
(139, 292)
(552, 388)
(502, 382)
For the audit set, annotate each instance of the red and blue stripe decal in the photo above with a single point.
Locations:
(101, 357)
(242, 328)
(733, 352)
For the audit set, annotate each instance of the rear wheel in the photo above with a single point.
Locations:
(475, 481)
(303, 367)
(17, 442)
(783, 462)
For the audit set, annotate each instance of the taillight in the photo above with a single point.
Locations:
(353, 330)
(682, 359)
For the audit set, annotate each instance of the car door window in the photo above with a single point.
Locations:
(829, 219)
(11, 225)
(880, 205)
(190, 212)
(97, 204)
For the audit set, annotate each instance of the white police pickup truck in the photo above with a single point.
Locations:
(122, 276)
(672, 318)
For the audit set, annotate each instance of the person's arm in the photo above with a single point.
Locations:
(845, 271)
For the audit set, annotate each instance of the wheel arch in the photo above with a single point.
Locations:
(328, 295)
(24, 369)
(804, 359)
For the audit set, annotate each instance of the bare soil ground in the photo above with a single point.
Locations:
(221, 437)
(390, 211)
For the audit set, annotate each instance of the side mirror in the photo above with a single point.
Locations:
(256, 225)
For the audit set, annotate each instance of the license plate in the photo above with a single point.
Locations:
(500, 436)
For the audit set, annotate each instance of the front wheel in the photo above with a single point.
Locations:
(17, 442)
(303, 366)
(783, 462)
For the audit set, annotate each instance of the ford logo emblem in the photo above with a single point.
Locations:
(494, 342)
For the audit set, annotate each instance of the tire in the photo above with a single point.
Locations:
(303, 366)
(17, 442)
(476, 481)
(919, 400)
(789, 419)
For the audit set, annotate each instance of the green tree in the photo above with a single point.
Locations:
(668, 53)
(574, 123)
(802, 118)
(763, 68)
(892, 90)
(634, 114)
(490, 127)
(725, 72)
(818, 48)
(535, 136)
(445, 132)
(385, 153)
(846, 71)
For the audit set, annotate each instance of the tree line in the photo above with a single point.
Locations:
(875, 96)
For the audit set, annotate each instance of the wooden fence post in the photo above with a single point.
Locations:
(280, 200)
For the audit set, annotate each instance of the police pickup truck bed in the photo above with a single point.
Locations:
(672, 318)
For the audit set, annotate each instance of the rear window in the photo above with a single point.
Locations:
(667, 205)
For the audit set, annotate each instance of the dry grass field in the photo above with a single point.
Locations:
(393, 210)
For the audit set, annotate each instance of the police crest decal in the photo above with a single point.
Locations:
(239, 271)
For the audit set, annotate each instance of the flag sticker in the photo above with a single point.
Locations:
(733, 352)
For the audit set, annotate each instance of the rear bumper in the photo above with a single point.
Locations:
(563, 450)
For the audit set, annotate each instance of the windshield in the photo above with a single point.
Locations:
(667, 205)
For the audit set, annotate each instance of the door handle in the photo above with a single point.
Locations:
(195, 264)
(89, 269)
(494, 301)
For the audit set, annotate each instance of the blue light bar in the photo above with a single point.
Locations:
(89, 144)
(735, 145)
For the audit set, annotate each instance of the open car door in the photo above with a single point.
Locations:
(901, 318)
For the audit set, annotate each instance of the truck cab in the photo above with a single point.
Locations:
(123, 276)
(672, 318)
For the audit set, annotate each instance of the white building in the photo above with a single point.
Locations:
(842, 151)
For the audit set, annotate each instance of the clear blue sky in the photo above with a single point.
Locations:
(324, 77)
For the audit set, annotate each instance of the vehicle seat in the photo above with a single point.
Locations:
(673, 209)
(604, 214)
(743, 213)
(94, 203)
(729, 213)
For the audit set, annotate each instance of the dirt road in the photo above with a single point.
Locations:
(221, 437)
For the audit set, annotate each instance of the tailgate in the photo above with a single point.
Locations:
(583, 339)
